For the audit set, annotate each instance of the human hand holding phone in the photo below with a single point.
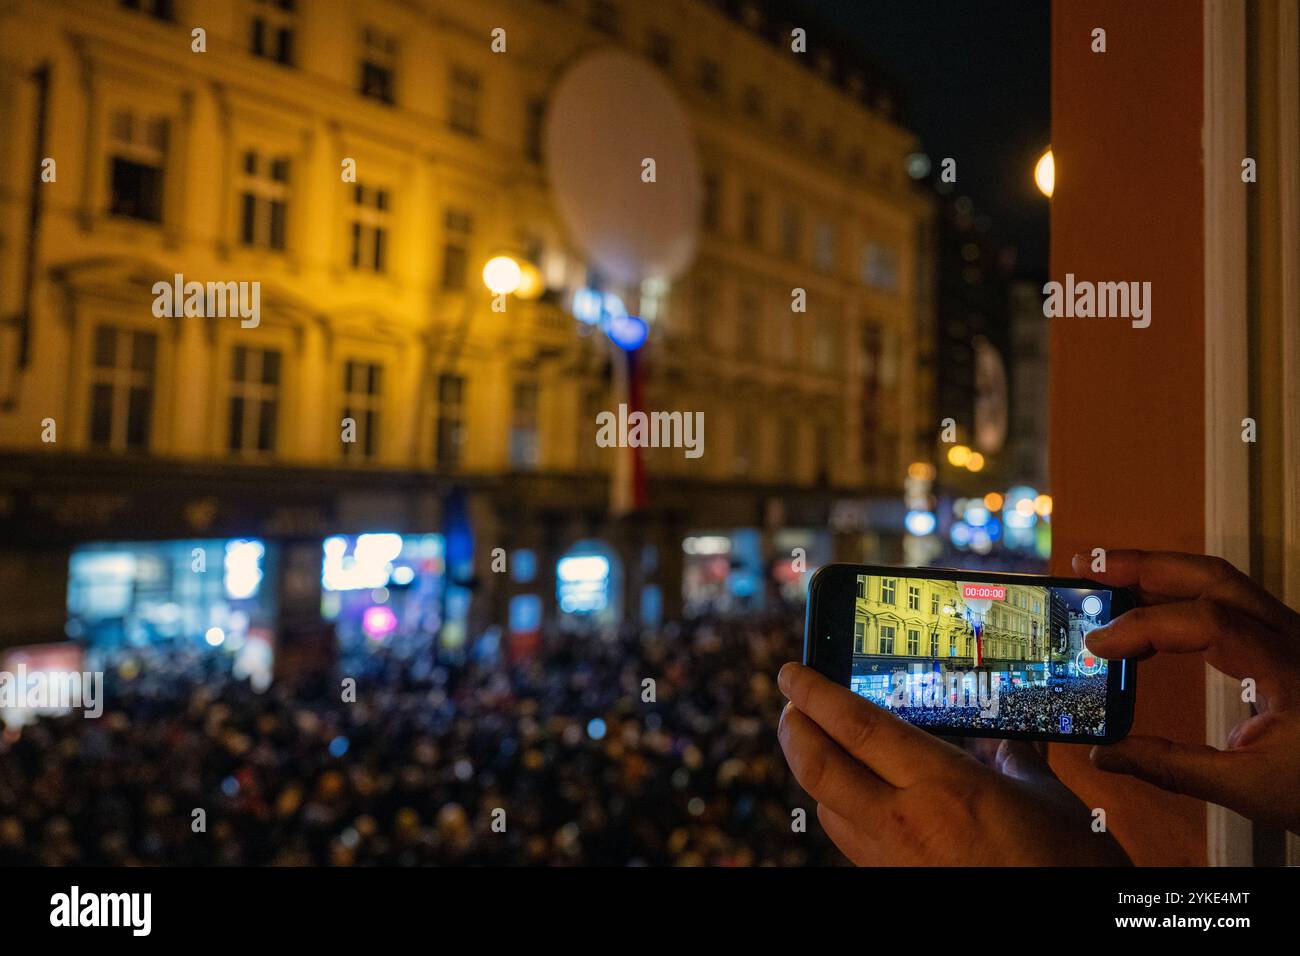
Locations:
(1198, 604)
(889, 793)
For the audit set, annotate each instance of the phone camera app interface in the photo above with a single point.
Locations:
(1007, 657)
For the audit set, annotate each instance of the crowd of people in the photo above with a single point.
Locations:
(570, 757)
(1034, 708)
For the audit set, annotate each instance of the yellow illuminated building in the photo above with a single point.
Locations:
(927, 619)
(363, 161)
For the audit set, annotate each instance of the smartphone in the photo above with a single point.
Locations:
(973, 653)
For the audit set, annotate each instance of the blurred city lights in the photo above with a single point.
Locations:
(918, 165)
(920, 523)
(921, 471)
(975, 462)
(628, 332)
(215, 636)
(1043, 505)
(502, 275)
(378, 621)
(1045, 173)
(243, 568)
(958, 455)
(596, 729)
(993, 501)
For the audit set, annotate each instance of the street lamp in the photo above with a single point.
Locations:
(1045, 173)
(502, 275)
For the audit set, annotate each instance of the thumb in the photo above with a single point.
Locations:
(1192, 769)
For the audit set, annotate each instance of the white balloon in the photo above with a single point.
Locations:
(609, 113)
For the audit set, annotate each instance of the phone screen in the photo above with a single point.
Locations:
(980, 656)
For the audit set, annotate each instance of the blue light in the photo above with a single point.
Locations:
(587, 306)
(338, 746)
(628, 332)
(961, 534)
(977, 516)
(920, 523)
(596, 729)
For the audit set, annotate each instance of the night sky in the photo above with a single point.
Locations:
(975, 83)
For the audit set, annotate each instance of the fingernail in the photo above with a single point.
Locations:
(1104, 758)
(784, 678)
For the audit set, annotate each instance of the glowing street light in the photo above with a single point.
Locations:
(958, 456)
(1045, 173)
(502, 275)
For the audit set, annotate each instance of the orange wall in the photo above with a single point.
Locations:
(1127, 460)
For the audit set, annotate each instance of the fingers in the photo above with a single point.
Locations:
(896, 751)
(826, 772)
(1164, 576)
(1020, 760)
(852, 840)
(1192, 769)
(1236, 644)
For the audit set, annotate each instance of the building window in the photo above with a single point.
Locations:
(659, 47)
(880, 267)
(859, 637)
(711, 208)
(913, 598)
(749, 324)
(371, 214)
(524, 425)
(823, 343)
(792, 124)
(705, 305)
(603, 15)
(913, 642)
(463, 108)
(264, 201)
(137, 159)
(158, 9)
(862, 587)
(887, 632)
(826, 144)
(934, 604)
(708, 74)
(822, 455)
(378, 66)
(254, 400)
(272, 29)
(593, 403)
(824, 246)
(934, 644)
(451, 420)
(752, 217)
(459, 228)
(363, 391)
(791, 231)
(744, 444)
(121, 388)
(888, 591)
(534, 120)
